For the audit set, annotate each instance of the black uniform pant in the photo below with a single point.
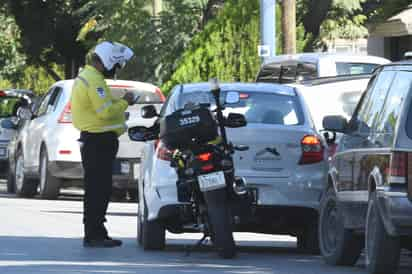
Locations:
(98, 153)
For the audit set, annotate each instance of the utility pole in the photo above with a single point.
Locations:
(267, 48)
(156, 7)
(289, 26)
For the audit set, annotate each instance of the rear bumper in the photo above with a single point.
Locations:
(396, 211)
(74, 171)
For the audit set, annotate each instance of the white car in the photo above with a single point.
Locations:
(45, 154)
(292, 68)
(285, 165)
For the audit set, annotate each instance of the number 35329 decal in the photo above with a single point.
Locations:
(189, 120)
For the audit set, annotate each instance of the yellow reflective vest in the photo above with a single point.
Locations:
(94, 109)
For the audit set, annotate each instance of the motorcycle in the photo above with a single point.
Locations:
(203, 162)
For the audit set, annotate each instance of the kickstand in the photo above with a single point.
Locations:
(203, 240)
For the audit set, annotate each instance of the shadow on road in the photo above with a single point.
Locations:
(37, 255)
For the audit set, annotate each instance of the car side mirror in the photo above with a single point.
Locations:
(142, 134)
(335, 123)
(235, 120)
(149, 111)
(8, 124)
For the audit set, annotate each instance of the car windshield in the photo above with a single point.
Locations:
(8, 106)
(258, 107)
(145, 97)
(343, 68)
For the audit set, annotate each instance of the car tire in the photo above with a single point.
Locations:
(308, 241)
(24, 187)
(11, 187)
(49, 185)
(153, 233)
(132, 193)
(118, 194)
(338, 245)
(382, 251)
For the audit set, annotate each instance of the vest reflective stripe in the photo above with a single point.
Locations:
(105, 105)
(114, 126)
(83, 80)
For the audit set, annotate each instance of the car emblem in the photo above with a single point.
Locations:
(269, 153)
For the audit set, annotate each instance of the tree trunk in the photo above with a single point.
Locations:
(289, 26)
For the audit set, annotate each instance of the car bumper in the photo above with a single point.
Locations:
(396, 211)
(123, 178)
(299, 190)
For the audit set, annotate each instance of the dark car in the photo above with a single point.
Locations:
(368, 202)
(11, 100)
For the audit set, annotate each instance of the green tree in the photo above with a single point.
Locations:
(226, 48)
(11, 60)
(49, 30)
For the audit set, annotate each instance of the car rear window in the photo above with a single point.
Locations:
(145, 97)
(8, 106)
(258, 107)
(343, 68)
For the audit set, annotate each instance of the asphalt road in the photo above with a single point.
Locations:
(39, 237)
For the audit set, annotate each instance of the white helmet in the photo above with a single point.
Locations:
(112, 53)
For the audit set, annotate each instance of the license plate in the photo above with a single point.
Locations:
(136, 171)
(125, 167)
(212, 181)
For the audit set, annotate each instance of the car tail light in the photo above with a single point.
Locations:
(397, 172)
(312, 150)
(162, 152)
(66, 115)
(2, 93)
(65, 152)
(207, 168)
(160, 94)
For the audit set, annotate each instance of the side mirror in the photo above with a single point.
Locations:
(24, 114)
(8, 124)
(149, 111)
(232, 97)
(335, 123)
(141, 134)
(235, 120)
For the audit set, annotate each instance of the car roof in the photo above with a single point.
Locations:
(115, 83)
(315, 57)
(405, 64)
(241, 87)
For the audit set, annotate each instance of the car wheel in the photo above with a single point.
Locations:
(153, 233)
(119, 194)
(10, 181)
(24, 187)
(338, 245)
(382, 251)
(132, 193)
(49, 185)
(308, 241)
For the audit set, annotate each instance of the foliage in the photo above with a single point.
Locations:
(49, 30)
(225, 49)
(344, 20)
(11, 61)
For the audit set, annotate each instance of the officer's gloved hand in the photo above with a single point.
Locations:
(130, 98)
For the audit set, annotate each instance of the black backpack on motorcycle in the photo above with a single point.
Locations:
(186, 128)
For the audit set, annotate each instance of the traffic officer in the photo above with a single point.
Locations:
(101, 120)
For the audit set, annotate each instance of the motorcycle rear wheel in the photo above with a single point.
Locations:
(220, 222)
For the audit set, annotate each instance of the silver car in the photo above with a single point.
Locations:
(284, 167)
